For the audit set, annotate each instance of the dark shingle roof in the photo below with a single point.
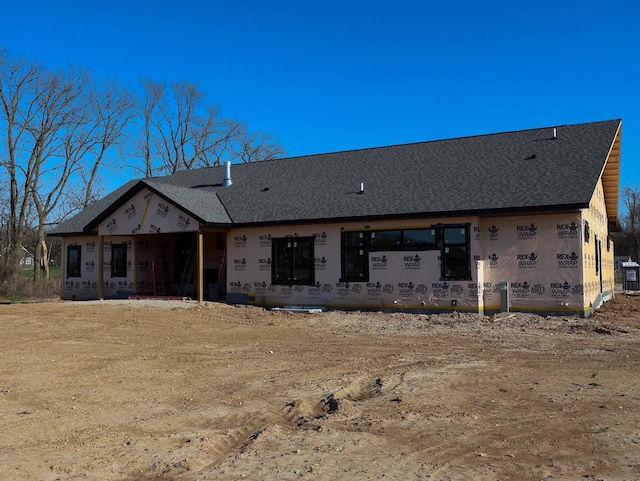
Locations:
(511, 171)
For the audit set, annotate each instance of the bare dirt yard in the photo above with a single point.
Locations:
(128, 391)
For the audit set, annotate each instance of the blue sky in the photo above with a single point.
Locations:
(328, 76)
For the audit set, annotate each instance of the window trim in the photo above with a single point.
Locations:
(69, 271)
(114, 271)
(467, 245)
(275, 242)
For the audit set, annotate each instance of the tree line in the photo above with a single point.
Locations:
(63, 129)
(628, 243)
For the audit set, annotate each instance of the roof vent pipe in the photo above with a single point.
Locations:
(555, 133)
(361, 188)
(227, 175)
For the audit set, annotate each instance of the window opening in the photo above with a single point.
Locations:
(292, 261)
(74, 261)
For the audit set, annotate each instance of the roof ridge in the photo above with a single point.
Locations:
(419, 142)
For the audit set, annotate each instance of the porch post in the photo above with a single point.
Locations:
(200, 277)
(101, 267)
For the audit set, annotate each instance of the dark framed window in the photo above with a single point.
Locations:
(423, 239)
(386, 240)
(587, 233)
(118, 260)
(74, 258)
(597, 245)
(292, 261)
(355, 256)
(456, 262)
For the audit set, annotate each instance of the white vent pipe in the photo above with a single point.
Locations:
(227, 175)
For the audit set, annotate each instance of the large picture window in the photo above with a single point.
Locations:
(73, 261)
(118, 260)
(292, 261)
(452, 241)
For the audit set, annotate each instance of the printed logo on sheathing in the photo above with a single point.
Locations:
(412, 262)
(286, 290)
(526, 232)
(406, 289)
(520, 289)
(456, 289)
(493, 261)
(440, 290)
(527, 261)
(264, 240)
(474, 289)
(320, 263)
(379, 263)
(567, 231)
(578, 290)
(240, 241)
(260, 287)
(560, 289)
(493, 233)
(476, 232)
(343, 289)
(183, 222)
(374, 288)
(316, 290)
(240, 264)
(112, 226)
(90, 266)
(162, 210)
(235, 286)
(537, 289)
(90, 246)
(567, 261)
(130, 212)
(264, 264)
(320, 238)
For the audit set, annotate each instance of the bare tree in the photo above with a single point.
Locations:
(180, 131)
(57, 127)
(631, 222)
(18, 101)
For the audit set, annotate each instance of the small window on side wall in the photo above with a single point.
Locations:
(73, 261)
(119, 260)
(587, 233)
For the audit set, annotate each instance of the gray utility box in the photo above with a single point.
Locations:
(505, 298)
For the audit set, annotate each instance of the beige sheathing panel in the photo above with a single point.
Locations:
(400, 279)
(539, 255)
(85, 286)
(147, 213)
(597, 218)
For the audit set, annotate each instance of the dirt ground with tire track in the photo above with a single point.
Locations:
(135, 391)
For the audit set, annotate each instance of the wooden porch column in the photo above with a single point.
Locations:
(200, 258)
(101, 267)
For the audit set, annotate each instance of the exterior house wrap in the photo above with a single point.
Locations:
(431, 226)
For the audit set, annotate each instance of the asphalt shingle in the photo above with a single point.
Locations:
(511, 171)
